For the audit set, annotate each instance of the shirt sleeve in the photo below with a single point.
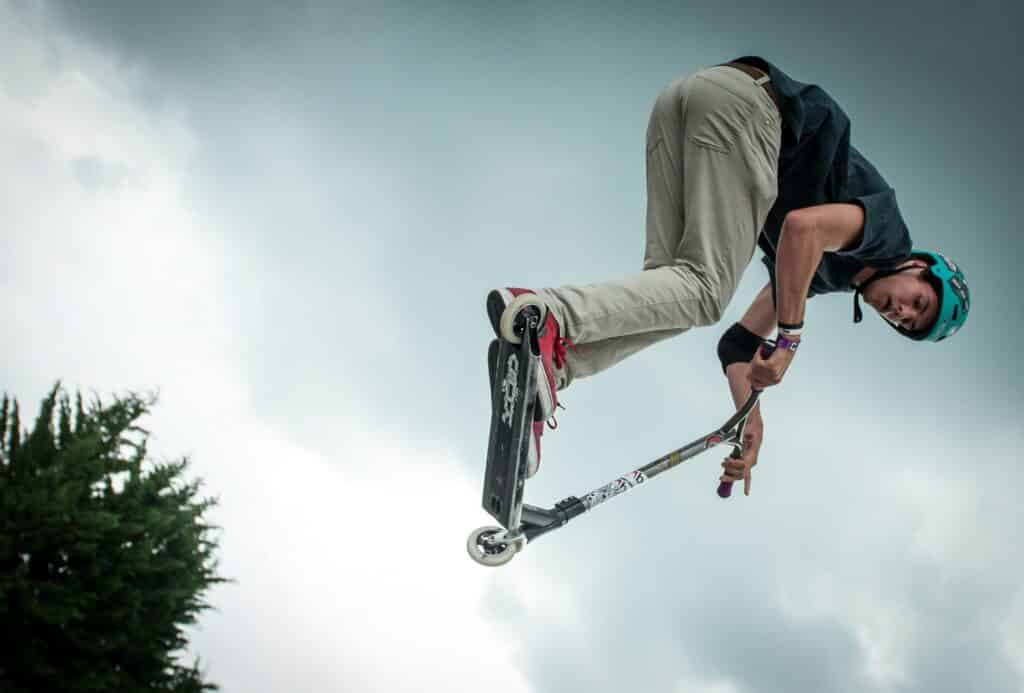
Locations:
(886, 240)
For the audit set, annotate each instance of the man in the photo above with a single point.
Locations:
(740, 155)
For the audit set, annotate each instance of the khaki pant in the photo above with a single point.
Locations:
(712, 169)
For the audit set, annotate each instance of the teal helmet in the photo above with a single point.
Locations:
(950, 287)
(954, 297)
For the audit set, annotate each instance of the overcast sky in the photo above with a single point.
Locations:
(286, 219)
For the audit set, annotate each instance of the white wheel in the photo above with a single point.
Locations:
(512, 311)
(486, 553)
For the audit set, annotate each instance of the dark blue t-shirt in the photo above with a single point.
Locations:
(818, 165)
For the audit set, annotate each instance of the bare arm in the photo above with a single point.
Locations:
(760, 316)
(807, 234)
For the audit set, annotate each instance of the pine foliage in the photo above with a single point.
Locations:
(104, 554)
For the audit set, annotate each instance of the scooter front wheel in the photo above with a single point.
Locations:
(520, 312)
(485, 550)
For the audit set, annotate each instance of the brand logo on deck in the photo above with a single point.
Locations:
(510, 389)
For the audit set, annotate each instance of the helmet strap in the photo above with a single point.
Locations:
(858, 314)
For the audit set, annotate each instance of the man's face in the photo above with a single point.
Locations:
(905, 299)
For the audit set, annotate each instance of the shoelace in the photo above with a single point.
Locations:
(558, 359)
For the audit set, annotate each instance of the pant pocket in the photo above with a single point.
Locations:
(716, 115)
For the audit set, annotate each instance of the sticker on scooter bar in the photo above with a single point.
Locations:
(510, 389)
(620, 485)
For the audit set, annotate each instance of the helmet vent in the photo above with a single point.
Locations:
(956, 311)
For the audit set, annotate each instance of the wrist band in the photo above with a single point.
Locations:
(791, 329)
(782, 342)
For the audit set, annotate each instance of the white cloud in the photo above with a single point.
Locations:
(354, 563)
(882, 624)
(912, 534)
(947, 528)
(112, 287)
(1012, 632)
(713, 687)
(347, 570)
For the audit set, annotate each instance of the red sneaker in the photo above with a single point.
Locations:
(503, 308)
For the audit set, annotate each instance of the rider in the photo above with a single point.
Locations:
(739, 155)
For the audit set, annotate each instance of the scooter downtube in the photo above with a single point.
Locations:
(730, 433)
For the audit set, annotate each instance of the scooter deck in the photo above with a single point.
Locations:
(513, 401)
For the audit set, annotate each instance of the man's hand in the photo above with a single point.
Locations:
(738, 468)
(767, 372)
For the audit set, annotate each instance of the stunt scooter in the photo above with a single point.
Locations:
(513, 365)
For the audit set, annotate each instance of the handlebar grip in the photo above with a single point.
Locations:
(725, 487)
(767, 349)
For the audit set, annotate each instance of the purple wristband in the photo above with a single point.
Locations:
(782, 342)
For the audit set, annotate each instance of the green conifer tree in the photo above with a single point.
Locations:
(104, 553)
